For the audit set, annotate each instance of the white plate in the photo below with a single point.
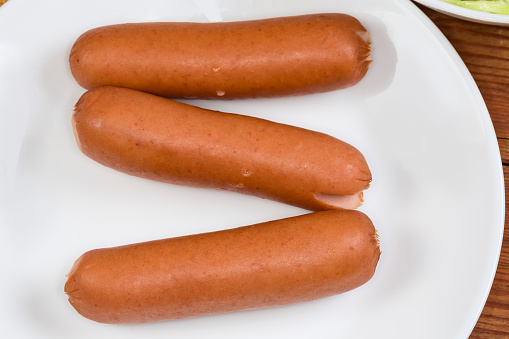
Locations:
(466, 13)
(437, 197)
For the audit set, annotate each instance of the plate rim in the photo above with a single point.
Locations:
(489, 127)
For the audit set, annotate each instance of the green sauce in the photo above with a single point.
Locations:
(492, 6)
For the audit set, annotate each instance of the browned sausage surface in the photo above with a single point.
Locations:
(159, 139)
(269, 264)
(226, 60)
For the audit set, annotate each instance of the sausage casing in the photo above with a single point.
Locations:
(225, 60)
(274, 263)
(159, 139)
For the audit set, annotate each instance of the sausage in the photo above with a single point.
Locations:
(274, 263)
(159, 139)
(225, 60)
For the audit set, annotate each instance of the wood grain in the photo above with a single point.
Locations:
(485, 51)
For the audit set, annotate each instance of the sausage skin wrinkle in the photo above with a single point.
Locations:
(226, 60)
(159, 139)
(275, 263)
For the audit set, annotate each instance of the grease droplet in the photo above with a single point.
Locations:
(216, 69)
(247, 173)
(220, 93)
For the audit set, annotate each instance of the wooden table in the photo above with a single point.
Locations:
(485, 51)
